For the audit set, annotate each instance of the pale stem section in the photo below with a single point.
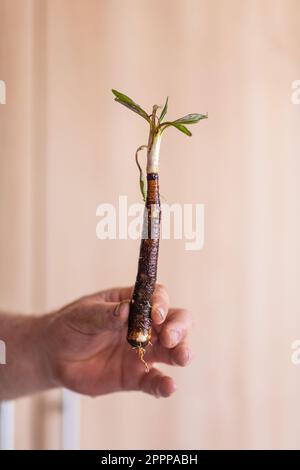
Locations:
(153, 154)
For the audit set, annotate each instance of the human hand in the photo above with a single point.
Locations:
(87, 351)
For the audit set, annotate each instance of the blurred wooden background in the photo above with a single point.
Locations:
(65, 147)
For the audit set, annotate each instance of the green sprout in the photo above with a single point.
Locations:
(157, 127)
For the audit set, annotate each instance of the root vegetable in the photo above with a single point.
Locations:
(139, 322)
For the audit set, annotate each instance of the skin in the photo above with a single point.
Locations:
(83, 347)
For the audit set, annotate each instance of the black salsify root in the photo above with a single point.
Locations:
(139, 321)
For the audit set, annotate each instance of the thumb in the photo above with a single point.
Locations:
(113, 315)
(97, 316)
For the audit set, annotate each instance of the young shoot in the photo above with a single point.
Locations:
(139, 320)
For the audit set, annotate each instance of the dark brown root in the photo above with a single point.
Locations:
(139, 321)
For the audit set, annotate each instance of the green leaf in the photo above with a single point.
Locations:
(129, 103)
(180, 127)
(191, 118)
(164, 111)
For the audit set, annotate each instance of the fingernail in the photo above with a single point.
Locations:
(122, 309)
(160, 312)
(175, 336)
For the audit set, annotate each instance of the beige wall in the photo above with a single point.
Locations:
(65, 146)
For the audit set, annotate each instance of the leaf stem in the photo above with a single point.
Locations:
(142, 179)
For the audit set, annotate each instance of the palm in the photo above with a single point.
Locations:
(95, 360)
(104, 363)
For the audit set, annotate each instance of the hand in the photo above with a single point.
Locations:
(87, 351)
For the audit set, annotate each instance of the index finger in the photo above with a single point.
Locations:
(160, 304)
(115, 294)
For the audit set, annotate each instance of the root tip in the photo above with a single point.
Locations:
(141, 353)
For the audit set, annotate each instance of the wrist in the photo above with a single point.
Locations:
(42, 351)
(27, 369)
(35, 359)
